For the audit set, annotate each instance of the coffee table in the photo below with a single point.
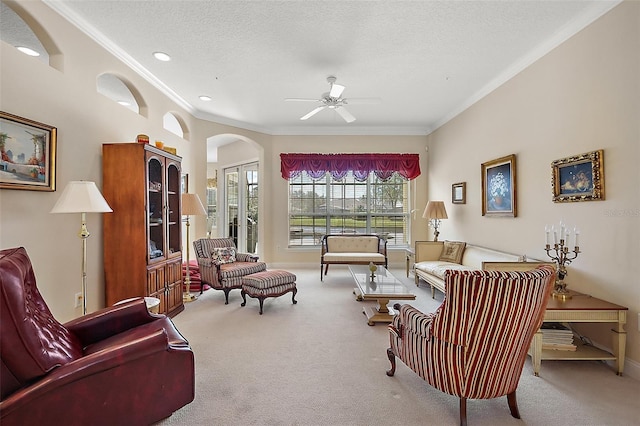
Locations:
(382, 288)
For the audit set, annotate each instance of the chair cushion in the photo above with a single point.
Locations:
(32, 341)
(239, 269)
(452, 251)
(222, 255)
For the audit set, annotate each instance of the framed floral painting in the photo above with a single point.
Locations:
(499, 187)
(578, 178)
(28, 151)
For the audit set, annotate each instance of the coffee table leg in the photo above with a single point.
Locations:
(382, 306)
(380, 314)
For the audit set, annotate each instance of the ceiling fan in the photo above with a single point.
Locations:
(333, 100)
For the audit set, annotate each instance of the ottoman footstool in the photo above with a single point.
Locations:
(268, 284)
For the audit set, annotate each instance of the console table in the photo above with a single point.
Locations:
(583, 308)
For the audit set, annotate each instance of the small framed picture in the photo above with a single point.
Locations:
(578, 178)
(459, 193)
(184, 183)
(499, 187)
(28, 150)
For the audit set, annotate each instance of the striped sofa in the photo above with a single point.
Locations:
(475, 344)
(225, 276)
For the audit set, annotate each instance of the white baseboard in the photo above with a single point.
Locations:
(631, 368)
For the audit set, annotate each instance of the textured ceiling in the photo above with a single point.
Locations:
(426, 60)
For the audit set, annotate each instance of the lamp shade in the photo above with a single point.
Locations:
(81, 197)
(191, 205)
(435, 210)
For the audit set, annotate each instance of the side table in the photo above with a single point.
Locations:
(583, 308)
(411, 255)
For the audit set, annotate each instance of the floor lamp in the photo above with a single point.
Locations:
(191, 205)
(82, 197)
(435, 212)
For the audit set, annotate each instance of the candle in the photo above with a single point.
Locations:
(566, 236)
(555, 234)
(546, 234)
(576, 231)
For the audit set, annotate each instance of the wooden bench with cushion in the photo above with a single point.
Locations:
(352, 249)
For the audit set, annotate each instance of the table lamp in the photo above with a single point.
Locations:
(82, 197)
(191, 205)
(435, 212)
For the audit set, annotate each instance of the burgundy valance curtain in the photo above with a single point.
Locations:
(338, 165)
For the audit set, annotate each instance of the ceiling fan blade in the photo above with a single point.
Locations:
(345, 114)
(301, 100)
(336, 90)
(362, 101)
(312, 113)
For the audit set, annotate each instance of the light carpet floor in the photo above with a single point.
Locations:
(319, 363)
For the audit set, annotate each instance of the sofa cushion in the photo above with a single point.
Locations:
(437, 268)
(353, 257)
(221, 255)
(452, 251)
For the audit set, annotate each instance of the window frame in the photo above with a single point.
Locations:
(330, 220)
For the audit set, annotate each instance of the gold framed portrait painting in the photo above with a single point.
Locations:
(578, 178)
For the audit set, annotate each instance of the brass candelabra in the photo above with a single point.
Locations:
(560, 254)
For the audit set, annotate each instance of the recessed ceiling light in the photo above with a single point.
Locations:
(161, 56)
(125, 103)
(205, 98)
(27, 51)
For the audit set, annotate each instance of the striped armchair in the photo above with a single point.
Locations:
(225, 276)
(475, 344)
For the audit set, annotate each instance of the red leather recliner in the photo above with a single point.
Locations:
(119, 365)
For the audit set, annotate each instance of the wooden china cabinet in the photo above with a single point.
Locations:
(142, 237)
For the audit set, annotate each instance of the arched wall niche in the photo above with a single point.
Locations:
(120, 90)
(174, 123)
(27, 29)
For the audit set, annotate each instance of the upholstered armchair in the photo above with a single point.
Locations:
(222, 267)
(474, 346)
(120, 365)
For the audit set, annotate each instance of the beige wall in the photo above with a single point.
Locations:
(85, 119)
(583, 96)
(278, 196)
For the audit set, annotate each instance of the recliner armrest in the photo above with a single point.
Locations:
(110, 321)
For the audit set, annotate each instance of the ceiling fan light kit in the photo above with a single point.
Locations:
(333, 100)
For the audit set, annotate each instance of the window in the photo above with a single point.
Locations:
(328, 206)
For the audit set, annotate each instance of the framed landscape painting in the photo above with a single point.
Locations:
(499, 187)
(28, 151)
(578, 178)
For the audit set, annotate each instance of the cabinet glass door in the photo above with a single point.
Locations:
(155, 210)
(174, 223)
